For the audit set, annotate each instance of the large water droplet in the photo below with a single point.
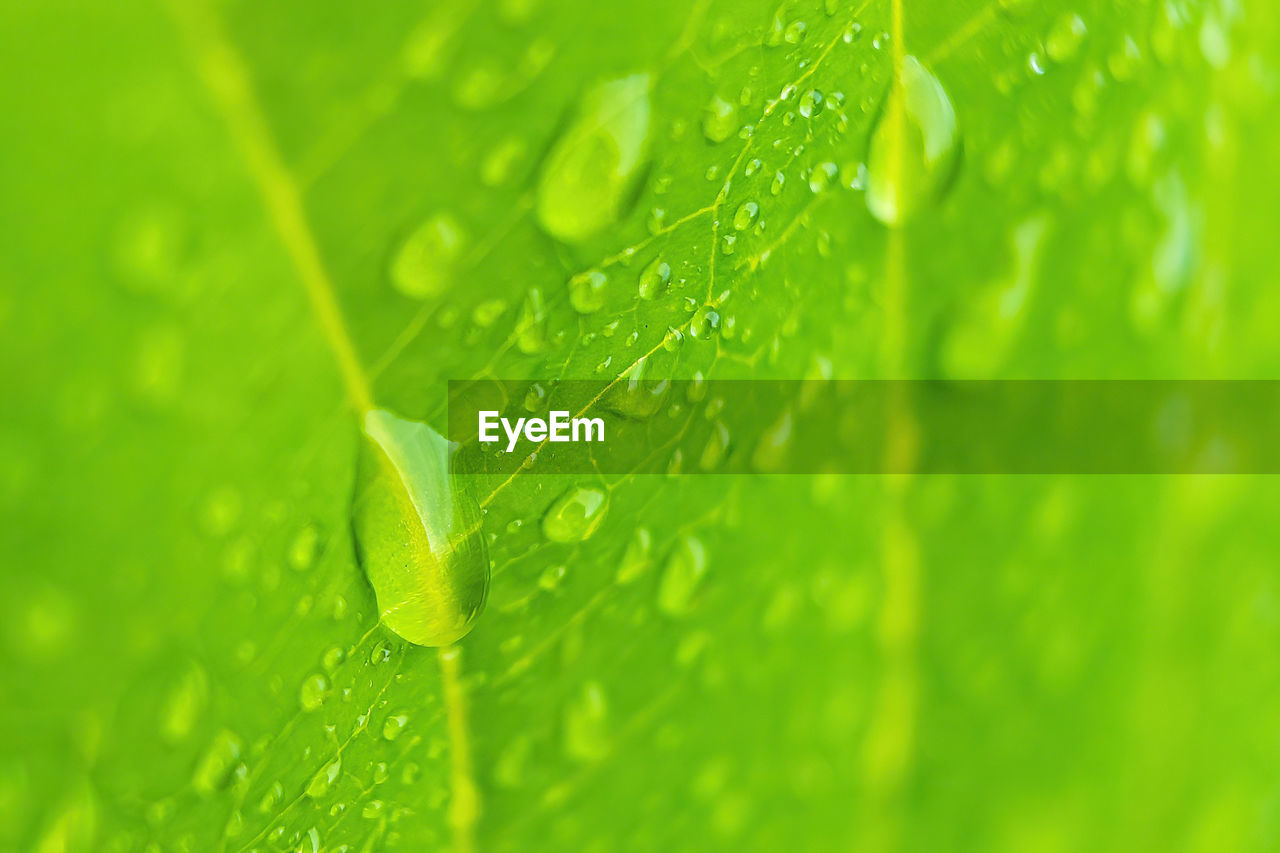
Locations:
(576, 514)
(589, 177)
(418, 533)
(914, 146)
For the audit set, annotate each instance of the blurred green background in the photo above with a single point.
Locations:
(224, 222)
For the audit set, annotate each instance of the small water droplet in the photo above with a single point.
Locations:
(535, 400)
(811, 103)
(716, 448)
(310, 842)
(486, 313)
(333, 658)
(304, 548)
(418, 532)
(822, 176)
(324, 779)
(794, 32)
(682, 576)
(914, 146)
(589, 177)
(719, 119)
(746, 215)
(637, 398)
(636, 559)
(657, 218)
(1123, 62)
(586, 724)
(271, 798)
(313, 692)
(654, 279)
(704, 323)
(1065, 37)
(394, 725)
(552, 576)
(214, 769)
(500, 163)
(531, 325)
(509, 771)
(423, 267)
(576, 514)
(587, 291)
(184, 705)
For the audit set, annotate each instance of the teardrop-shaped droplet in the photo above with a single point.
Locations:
(531, 326)
(324, 778)
(682, 576)
(418, 533)
(719, 119)
(424, 264)
(914, 146)
(587, 291)
(586, 724)
(576, 514)
(214, 769)
(589, 177)
(654, 279)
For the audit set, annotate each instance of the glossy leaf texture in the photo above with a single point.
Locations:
(190, 652)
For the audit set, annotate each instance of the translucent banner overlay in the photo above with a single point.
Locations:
(866, 427)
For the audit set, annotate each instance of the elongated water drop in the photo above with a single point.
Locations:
(913, 146)
(682, 576)
(586, 724)
(324, 778)
(589, 178)
(418, 534)
(213, 772)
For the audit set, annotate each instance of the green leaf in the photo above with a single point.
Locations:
(233, 229)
